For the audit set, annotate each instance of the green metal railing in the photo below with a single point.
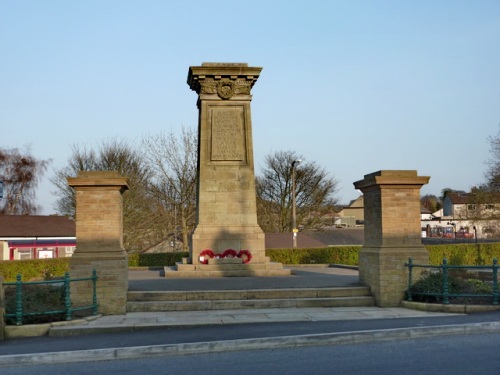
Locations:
(68, 310)
(445, 269)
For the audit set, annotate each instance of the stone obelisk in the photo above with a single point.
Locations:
(226, 198)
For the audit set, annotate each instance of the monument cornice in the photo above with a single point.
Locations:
(223, 79)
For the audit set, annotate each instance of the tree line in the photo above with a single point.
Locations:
(160, 204)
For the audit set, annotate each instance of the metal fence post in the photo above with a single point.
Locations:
(67, 296)
(495, 281)
(410, 271)
(446, 300)
(19, 300)
(94, 291)
(2, 309)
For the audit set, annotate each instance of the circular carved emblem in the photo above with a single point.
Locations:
(225, 89)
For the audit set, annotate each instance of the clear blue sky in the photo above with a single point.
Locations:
(356, 86)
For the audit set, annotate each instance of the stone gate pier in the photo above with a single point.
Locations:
(392, 232)
(99, 241)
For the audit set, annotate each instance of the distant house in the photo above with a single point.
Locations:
(471, 206)
(425, 214)
(351, 215)
(466, 215)
(33, 237)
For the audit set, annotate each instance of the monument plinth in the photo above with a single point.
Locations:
(226, 218)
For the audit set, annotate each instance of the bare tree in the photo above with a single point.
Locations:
(431, 202)
(141, 225)
(20, 173)
(315, 193)
(492, 174)
(173, 162)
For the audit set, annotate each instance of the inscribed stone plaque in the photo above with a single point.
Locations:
(228, 134)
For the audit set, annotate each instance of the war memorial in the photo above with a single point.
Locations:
(227, 240)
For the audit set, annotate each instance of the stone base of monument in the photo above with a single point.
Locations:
(225, 267)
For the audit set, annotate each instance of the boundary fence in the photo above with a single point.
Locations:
(444, 269)
(68, 310)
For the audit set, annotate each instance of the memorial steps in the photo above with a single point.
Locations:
(226, 267)
(199, 300)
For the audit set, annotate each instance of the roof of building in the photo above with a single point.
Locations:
(464, 198)
(36, 226)
(458, 198)
(425, 210)
(354, 203)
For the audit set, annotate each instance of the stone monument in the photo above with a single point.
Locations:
(392, 232)
(227, 240)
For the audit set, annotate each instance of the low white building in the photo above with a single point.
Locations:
(34, 237)
(465, 215)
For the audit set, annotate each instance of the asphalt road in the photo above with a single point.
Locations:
(157, 336)
(468, 354)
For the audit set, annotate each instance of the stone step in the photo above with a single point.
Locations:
(203, 305)
(230, 266)
(247, 299)
(233, 270)
(285, 293)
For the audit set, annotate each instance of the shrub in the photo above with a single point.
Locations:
(36, 298)
(475, 286)
(432, 283)
(458, 285)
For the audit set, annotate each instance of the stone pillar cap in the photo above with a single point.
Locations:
(391, 177)
(98, 178)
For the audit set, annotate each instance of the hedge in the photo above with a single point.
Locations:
(347, 255)
(34, 269)
(156, 259)
(479, 254)
(457, 254)
(41, 269)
